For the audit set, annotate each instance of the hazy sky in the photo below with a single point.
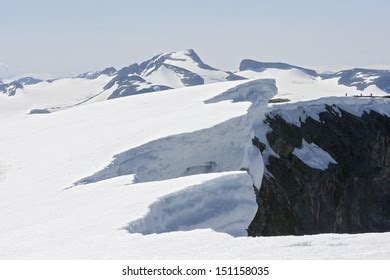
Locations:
(68, 37)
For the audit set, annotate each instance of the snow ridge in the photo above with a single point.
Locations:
(226, 204)
(224, 147)
(296, 113)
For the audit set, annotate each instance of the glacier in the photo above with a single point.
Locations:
(44, 154)
(163, 172)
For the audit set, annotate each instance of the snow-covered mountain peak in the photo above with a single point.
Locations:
(165, 71)
(187, 59)
(185, 65)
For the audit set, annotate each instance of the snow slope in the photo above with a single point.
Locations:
(53, 96)
(162, 72)
(190, 61)
(95, 218)
(166, 174)
(179, 69)
(203, 150)
(92, 222)
(43, 155)
(296, 85)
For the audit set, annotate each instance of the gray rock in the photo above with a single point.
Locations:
(39, 111)
(352, 196)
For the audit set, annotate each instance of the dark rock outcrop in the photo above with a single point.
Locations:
(39, 111)
(352, 196)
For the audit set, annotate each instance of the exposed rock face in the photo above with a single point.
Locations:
(352, 196)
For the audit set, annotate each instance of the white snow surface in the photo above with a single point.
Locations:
(93, 222)
(173, 203)
(55, 95)
(167, 77)
(225, 204)
(313, 156)
(183, 60)
(296, 85)
(44, 215)
(298, 112)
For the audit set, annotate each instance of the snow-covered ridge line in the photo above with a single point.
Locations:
(253, 91)
(298, 112)
(225, 204)
(223, 147)
(184, 69)
(358, 78)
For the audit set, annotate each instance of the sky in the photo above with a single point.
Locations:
(62, 38)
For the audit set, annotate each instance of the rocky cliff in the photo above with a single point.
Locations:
(351, 195)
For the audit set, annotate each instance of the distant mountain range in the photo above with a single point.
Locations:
(357, 77)
(10, 88)
(185, 68)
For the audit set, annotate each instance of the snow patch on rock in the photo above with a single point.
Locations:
(313, 156)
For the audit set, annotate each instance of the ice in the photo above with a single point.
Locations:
(225, 204)
(201, 129)
(224, 147)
